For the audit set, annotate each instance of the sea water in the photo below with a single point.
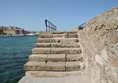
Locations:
(14, 52)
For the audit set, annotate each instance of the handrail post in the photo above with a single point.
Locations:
(49, 26)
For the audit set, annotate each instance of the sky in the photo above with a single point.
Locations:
(65, 14)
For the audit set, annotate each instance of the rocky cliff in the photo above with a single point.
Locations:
(100, 47)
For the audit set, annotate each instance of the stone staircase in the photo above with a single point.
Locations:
(55, 54)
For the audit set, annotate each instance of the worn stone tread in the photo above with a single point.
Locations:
(56, 57)
(38, 57)
(74, 57)
(74, 66)
(48, 57)
(65, 45)
(65, 51)
(57, 45)
(55, 66)
(41, 50)
(58, 40)
(34, 66)
(51, 73)
(43, 45)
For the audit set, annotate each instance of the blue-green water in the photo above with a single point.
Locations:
(14, 52)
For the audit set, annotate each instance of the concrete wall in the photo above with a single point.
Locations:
(99, 43)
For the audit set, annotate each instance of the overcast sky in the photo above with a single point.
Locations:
(65, 14)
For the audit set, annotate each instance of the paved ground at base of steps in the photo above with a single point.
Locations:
(66, 79)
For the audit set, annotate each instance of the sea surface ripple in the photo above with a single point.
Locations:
(14, 52)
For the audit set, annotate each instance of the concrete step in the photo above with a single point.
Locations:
(45, 35)
(69, 34)
(58, 40)
(56, 58)
(43, 45)
(74, 57)
(41, 50)
(58, 35)
(66, 35)
(46, 40)
(51, 73)
(38, 57)
(74, 66)
(55, 66)
(57, 32)
(48, 57)
(57, 45)
(65, 51)
(56, 51)
(34, 66)
(65, 45)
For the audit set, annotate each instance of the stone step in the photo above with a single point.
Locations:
(59, 36)
(56, 51)
(69, 34)
(51, 73)
(65, 51)
(55, 66)
(45, 35)
(48, 57)
(38, 57)
(65, 35)
(41, 50)
(34, 66)
(57, 45)
(74, 57)
(58, 40)
(74, 66)
(56, 58)
(43, 45)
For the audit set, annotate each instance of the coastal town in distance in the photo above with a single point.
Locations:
(15, 31)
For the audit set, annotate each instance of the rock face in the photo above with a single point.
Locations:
(100, 47)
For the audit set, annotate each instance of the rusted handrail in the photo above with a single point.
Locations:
(49, 26)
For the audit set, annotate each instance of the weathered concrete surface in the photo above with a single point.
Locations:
(66, 51)
(58, 40)
(43, 45)
(66, 79)
(55, 66)
(65, 45)
(38, 57)
(74, 57)
(41, 50)
(56, 57)
(57, 45)
(34, 66)
(51, 73)
(74, 66)
(99, 42)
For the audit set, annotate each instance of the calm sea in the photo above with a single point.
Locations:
(14, 52)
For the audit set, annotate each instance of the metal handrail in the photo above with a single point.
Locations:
(49, 26)
(82, 26)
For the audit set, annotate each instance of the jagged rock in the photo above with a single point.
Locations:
(99, 41)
